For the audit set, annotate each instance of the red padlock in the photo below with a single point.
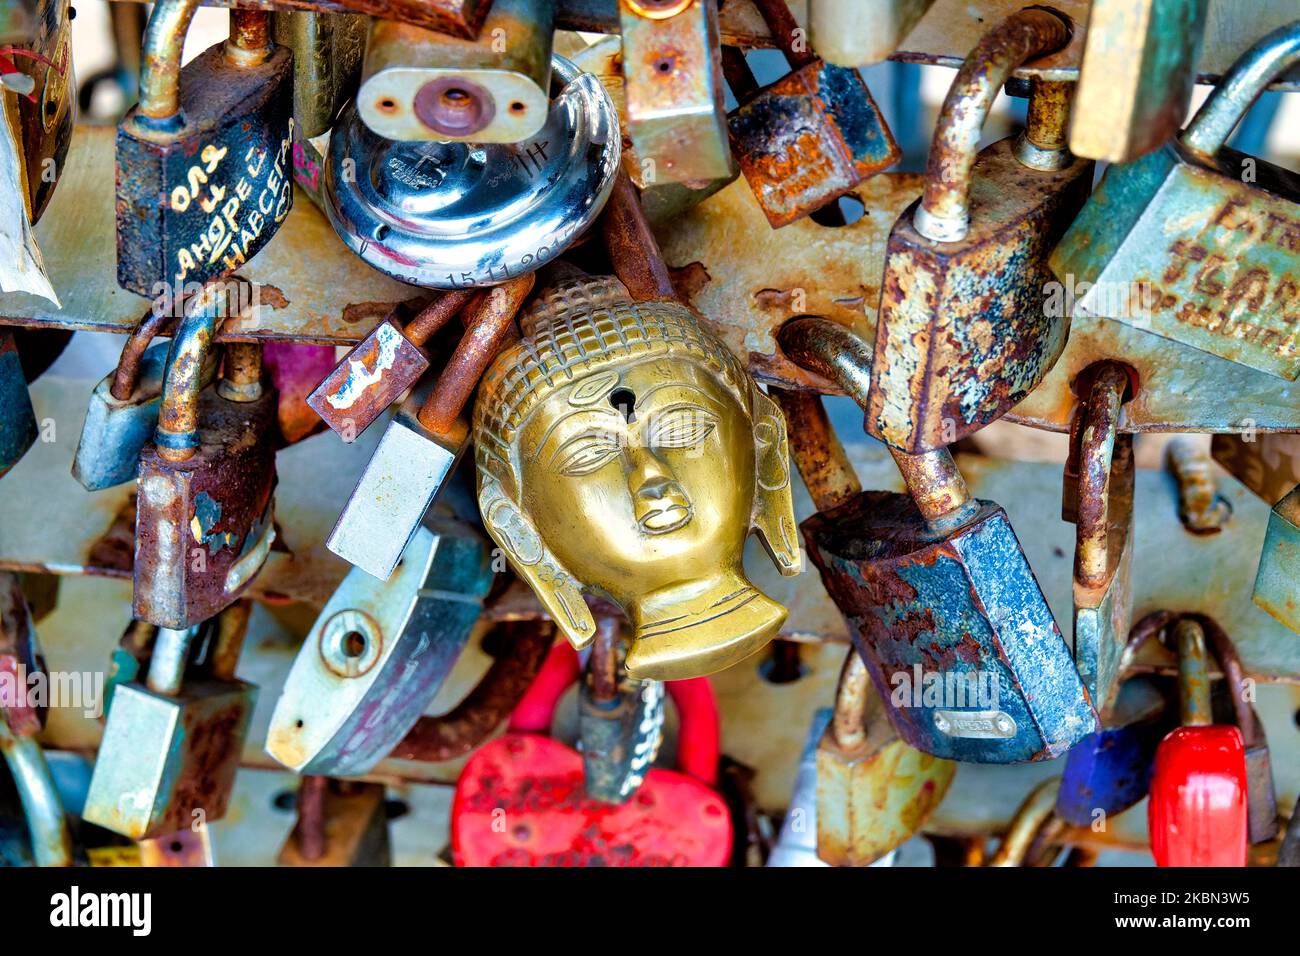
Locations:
(1197, 813)
(520, 800)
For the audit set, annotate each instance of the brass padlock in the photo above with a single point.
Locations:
(203, 175)
(418, 84)
(873, 790)
(204, 519)
(964, 331)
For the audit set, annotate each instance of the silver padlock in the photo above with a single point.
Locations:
(379, 652)
(452, 215)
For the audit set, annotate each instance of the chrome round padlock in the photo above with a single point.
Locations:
(450, 215)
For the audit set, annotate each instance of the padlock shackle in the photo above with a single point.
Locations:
(128, 365)
(1193, 674)
(944, 213)
(698, 736)
(1098, 437)
(47, 825)
(489, 322)
(818, 454)
(1036, 812)
(632, 246)
(160, 58)
(852, 693)
(177, 434)
(836, 353)
(1229, 102)
(433, 317)
(167, 663)
(784, 29)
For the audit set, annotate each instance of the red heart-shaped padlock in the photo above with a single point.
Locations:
(520, 799)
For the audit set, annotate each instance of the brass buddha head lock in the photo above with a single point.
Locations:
(624, 451)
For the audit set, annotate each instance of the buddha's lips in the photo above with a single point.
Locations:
(663, 520)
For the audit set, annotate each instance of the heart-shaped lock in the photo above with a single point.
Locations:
(520, 801)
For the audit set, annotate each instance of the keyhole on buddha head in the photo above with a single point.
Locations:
(625, 401)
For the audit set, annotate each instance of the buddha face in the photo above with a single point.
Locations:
(638, 474)
(641, 477)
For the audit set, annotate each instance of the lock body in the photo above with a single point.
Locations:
(378, 653)
(965, 330)
(201, 192)
(1275, 581)
(204, 526)
(620, 737)
(372, 376)
(809, 138)
(961, 613)
(673, 93)
(1138, 69)
(860, 32)
(422, 85)
(163, 757)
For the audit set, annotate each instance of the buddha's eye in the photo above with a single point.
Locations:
(585, 453)
(680, 426)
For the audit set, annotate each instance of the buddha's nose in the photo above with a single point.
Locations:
(659, 502)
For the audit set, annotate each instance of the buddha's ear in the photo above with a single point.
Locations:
(532, 561)
(773, 515)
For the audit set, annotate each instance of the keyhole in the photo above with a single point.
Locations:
(625, 401)
(354, 644)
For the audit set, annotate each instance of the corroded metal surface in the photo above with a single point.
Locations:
(746, 278)
(1269, 465)
(965, 331)
(297, 276)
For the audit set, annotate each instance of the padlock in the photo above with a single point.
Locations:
(1136, 78)
(422, 85)
(327, 52)
(41, 95)
(18, 426)
(340, 823)
(1110, 771)
(123, 409)
(664, 200)
(672, 72)
(204, 515)
(810, 137)
(1197, 814)
(422, 444)
(171, 745)
(1098, 499)
(620, 720)
(873, 790)
(965, 329)
(941, 601)
(451, 215)
(21, 663)
(622, 450)
(1195, 242)
(1201, 508)
(381, 368)
(203, 174)
(676, 818)
(378, 653)
(861, 32)
(49, 839)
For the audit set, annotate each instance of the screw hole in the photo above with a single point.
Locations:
(381, 231)
(388, 105)
(517, 107)
(354, 644)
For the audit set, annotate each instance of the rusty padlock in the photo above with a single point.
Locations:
(1097, 497)
(942, 603)
(672, 72)
(203, 175)
(810, 137)
(965, 331)
(204, 519)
